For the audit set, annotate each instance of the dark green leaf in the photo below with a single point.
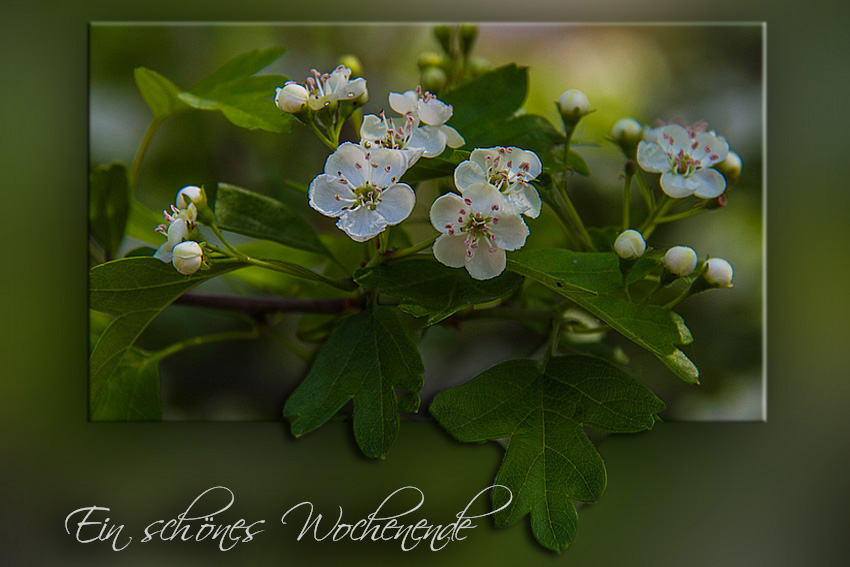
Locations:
(586, 278)
(245, 212)
(642, 267)
(240, 66)
(141, 252)
(131, 393)
(142, 223)
(109, 206)
(577, 163)
(427, 288)
(135, 289)
(365, 359)
(161, 95)
(492, 97)
(542, 408)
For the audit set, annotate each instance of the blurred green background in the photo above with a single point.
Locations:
(689, 73)
(751, 494)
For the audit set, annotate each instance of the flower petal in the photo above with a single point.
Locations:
(337, 80)
(450, 250)
(361, 224)
(404, 103)
(710, 149)
(485, 264)
(673, 138)
(519, 156)
(177, 232)
(373, 128)
(479, 156)
(510, 232)
(344, 163)
(391, 166)
(329, 196)
(453, 139)
(396, 203)
(356, 89)
(446, 210)
(525, 199)
(711, 183)
(434, 112)
(652, 158)
(485, 198)
(468, 173)
(678, 186)
(429, 138)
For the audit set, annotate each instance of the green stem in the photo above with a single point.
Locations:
(651, 222)
(587, 330)
(574, 217)
(678, 299)
(646, 191)
(297, 271)
(383, 241)
(322, 137)
(683, 215)
(553, 340)
(570, 233)
(140, 153)
(627, 196)
(197, 341)
(230, 247)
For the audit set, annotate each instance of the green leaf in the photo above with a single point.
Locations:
(587, 278)
(542, 407)
(135, 289)
(240, 66)
(109, 206)
(427, 288)
(161, 95)
(492, 97)
(142, 223)
(245, 212)
(642, 267)
(365, 359)
(132, 392)
(577, 163)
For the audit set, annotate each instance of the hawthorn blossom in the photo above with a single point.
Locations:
(680, 260)
(385, 132)
(509, 170)
(360, 187)
(630, 245)
(476, 230)
(434, 135)
(180, 223)
(684, 159)
(321, 90)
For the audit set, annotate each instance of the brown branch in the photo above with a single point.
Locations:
(255, 306)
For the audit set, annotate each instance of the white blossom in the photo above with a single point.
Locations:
(187, 257)
(630, 244)
(684, 158)
(386, 132)
(321, 90)
(189, 195)
(360, 187)
(430, 115)
(180, 223)
(718, 272)
(476, 230)
(680, 260)
(509, 170)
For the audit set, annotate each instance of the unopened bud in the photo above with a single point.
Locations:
(188, 195)
(187, 257)
(291, 98)
(468, 34)
(429, 59)
(433, 79)
(627, 130)
(731, 166)
(443, 33)
(718, 272)
(629, 245)
(574, 104)
(680, 260)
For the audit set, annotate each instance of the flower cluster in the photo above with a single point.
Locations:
(421, 130)
(179, 249)
(322, 90)
(509, 170)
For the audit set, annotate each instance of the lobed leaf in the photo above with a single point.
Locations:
(160, 94)
(132, 392)
(542, 407)
(365, 359)
(427, 288)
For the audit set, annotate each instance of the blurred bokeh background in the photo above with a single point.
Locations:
(687, 73)
(700, 494)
